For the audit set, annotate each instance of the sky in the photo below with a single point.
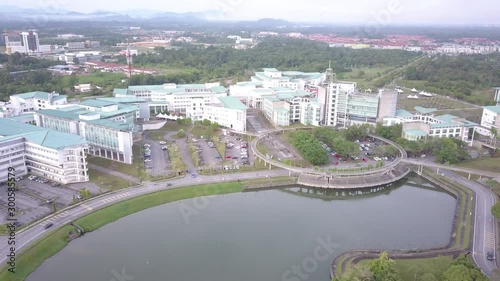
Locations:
(369, 12)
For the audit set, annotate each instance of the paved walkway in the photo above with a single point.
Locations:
(114, 173)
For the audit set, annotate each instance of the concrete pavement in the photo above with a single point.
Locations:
(485, 227)
(36, 231)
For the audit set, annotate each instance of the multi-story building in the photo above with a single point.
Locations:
(296, 80)
(311, 113)
(32, 101)
(387, 105)
(108, 127)
(75, 45)
(228, 112)
(285, 107)
(43, 152)
(423, 123)
(30, 41)
(345, 105)
(174, 97)
(489, 120)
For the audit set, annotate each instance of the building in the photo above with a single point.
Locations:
(423, 123)
(228, 112)
(174, 97)
(75, 45)
(43, 152)
(107, 126)
(345, 105)
(296, 80)
(497, 95)
(489, 120)
(25, 43)
(32, 101)
(285, 106)
(387, 105)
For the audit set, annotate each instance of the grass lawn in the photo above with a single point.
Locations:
(135, 169)
(408, 267)
(438, 102)
(97, 219)
(28, 260)
(484, 163)
(107, 181)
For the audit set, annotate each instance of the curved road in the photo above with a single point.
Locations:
(485, 228)
(36, 231)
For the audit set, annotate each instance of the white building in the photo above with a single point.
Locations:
(174, 97)
(32, 101)
(271, 77)
(107, 126)
(228, 112)
(285, 107)
(47, 153)
(345, 105)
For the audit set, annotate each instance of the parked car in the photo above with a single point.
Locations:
(489, 256)
(163, 142)
(164, 147)
(32, 177)
(193, 175)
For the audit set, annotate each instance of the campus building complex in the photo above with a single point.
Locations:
(107, 126)
(32, 101)
(173, 97)
(228, 112)
(44, 152)
(423, 123)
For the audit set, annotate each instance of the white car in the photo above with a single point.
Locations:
(163, 142)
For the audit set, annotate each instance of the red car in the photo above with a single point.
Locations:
(336, 163)
(364, 159)
(228, 157)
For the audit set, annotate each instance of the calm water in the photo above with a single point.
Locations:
(254, 236)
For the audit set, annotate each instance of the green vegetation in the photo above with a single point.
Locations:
(282, 53)
(175, 157)
(495, 210)
(457, 76)
(441, 268)
(309, 147)
(135, 169)
(107, 181)
(28, 260)
(485, 163)
(110, 214)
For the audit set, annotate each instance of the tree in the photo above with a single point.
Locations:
(495, 210)
(457, 273)
(345, 148)
(494, 136)
(181, 133)
(76, 61)
(428, 277)
(384, 269)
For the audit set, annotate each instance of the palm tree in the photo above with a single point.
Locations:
(494, 136)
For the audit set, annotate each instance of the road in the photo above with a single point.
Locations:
(484, 224)
(27, 236)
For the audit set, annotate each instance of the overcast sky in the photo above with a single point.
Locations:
(334, 11)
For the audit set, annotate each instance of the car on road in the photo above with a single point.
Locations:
(147, 160)
(235, 157)
(49, 225)
(169, 184)
(228, 157)
(218, 157)
(32, 177)
(193, 175)
(489, 256)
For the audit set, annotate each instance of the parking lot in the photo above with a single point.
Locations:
(156, 160)
(34, 200)
(209, 155)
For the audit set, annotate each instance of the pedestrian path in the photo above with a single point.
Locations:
(114, 197)
(57, 217)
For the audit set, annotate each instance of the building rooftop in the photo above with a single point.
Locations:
(494, 108)
(174, 88)
(416, 132)
(38, 95)
(120, 91)
(22, 116)
(232, 103)
(38, 135)
(425, 110)
(131, 99)
(403, 113)
(270, 70)
(97, 103)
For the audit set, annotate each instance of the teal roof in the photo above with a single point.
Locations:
(250, 83)
(416, 132)
(120, 92)
(38, 135)
(403, 113)
(446, 117)
(424, 110)
(282, 89)
(218, 89)
(22, 116)
(131, 99)
(232, 103)
(271, 98)
(121, 126)
(445, 124)
(39, 95)
(270, 69)
(494, 108)
(96, 103)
